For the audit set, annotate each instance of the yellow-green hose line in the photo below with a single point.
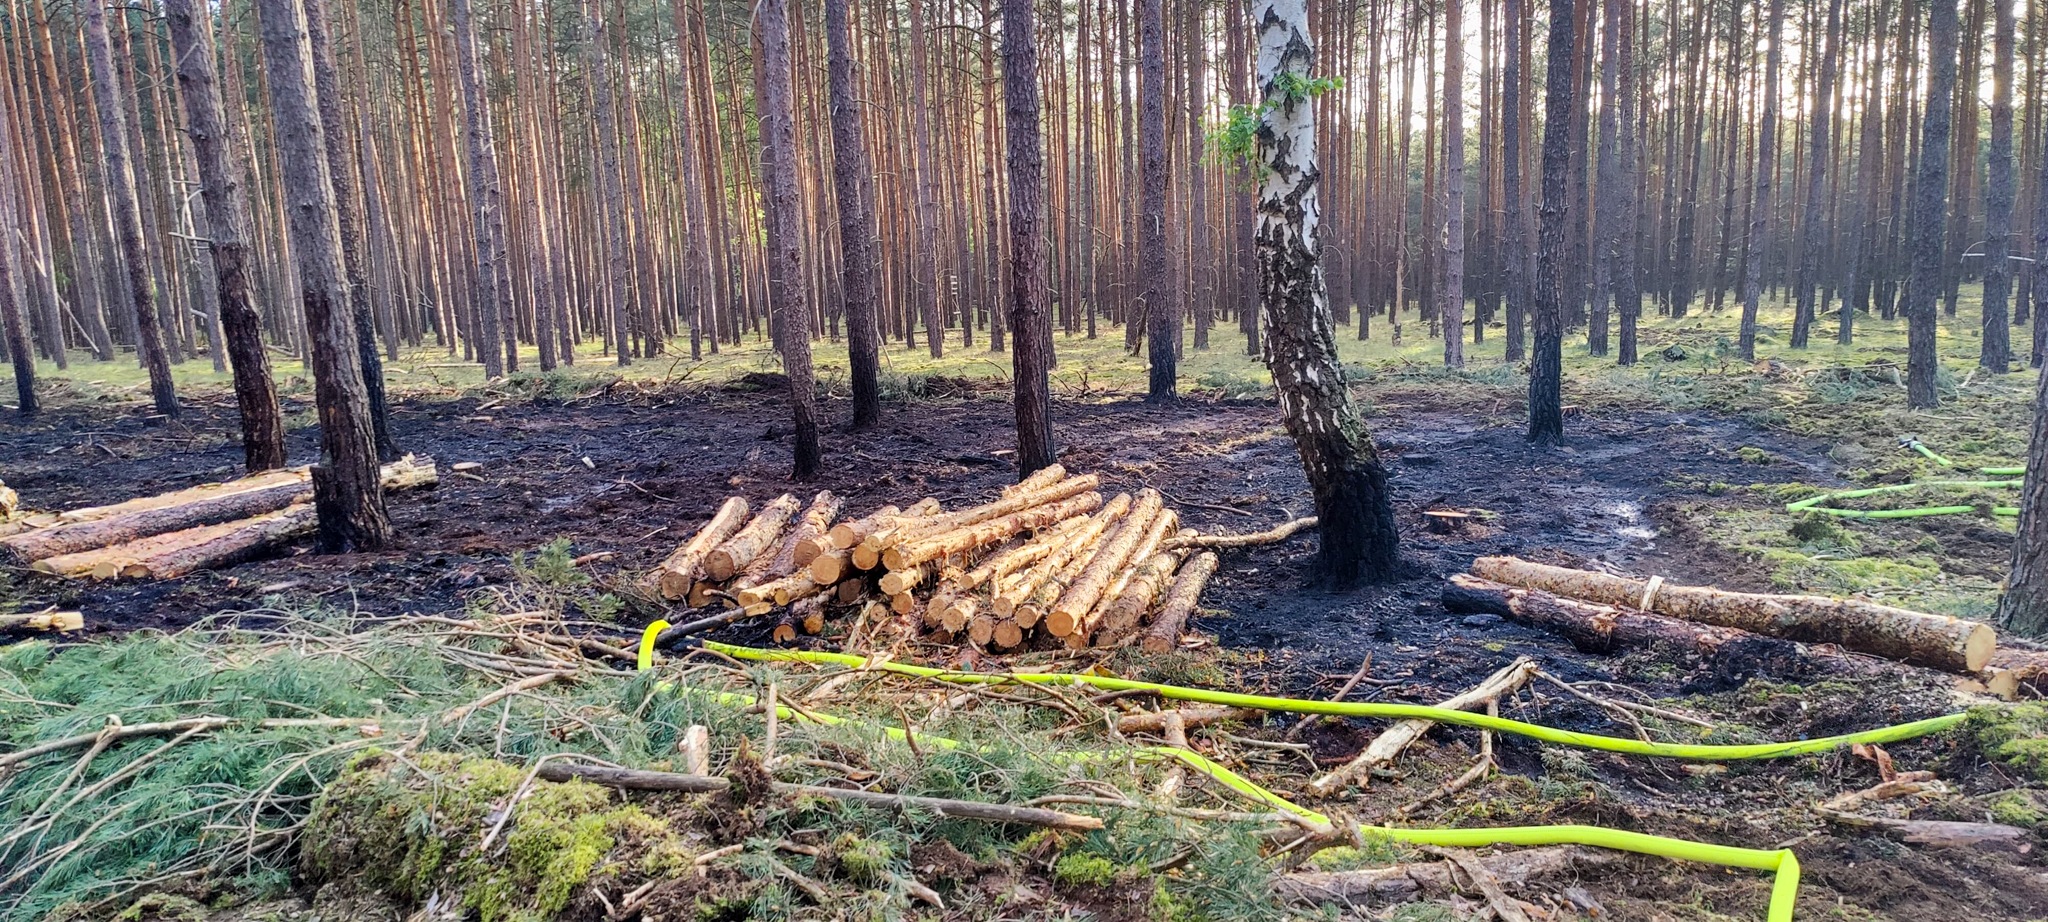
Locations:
(1696, 751)
(1783, 864)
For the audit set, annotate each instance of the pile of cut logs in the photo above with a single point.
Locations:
(1048, 563)
(172, 534)
(1604, 612)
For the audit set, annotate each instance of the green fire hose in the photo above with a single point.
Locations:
(1784, 889)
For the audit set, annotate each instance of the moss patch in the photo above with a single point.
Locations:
(2015, 736)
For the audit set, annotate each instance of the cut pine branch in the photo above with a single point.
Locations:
(1865, 627)
(675, 574)
(1273, 535)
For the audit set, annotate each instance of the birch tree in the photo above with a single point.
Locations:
(1353, 504)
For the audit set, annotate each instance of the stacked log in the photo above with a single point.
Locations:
(171, 535)
(1047, 561)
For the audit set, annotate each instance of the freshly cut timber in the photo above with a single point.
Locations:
(990, 531)
(40, 623)
(1004, 563)
(1072, 486)
(211, 508)
(10, 502)
(301, 474)
(1387, 746)
(675, 574)
(1006, 634)
(1121, 617)
(1596, 628)
(1162, 525)
(1274, 535)
(1164, 634)
(1066, 614)
(1865, 627)
(177, 553)
(809, 535)
(867, 555)
(757, 538)
(1040, 479)
(2016, 674)
(1022, 587)
(767, 567)
(847, 534)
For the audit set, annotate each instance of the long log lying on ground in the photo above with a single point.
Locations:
(41, 622)
(637, 780)
(177, 553)
(1080, 598)
(1164, 634)
(1273, 535)
(758, 537)
(1865, 627)
(1121, 619)
(1162, 525)
(1603, 629)
(211, 509)
(678, 571)
(1402, 882)
(1387, 746)
(257, 481)
(974, 515)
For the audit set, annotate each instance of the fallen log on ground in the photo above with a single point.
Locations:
(257, 481)
(1190, 717)
(673, 577)
(1164, 634)
(1603, 629)
(210, 509)
(638, 780)
(1021, 586)
(1402, 882)
(1074, 604)
(1865, 627)
(758, 537)
(1387, 746)
(177, 553)
(41, 622)
(1273, 535)
(2014, 674)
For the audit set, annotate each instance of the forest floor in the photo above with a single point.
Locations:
(1678, 467)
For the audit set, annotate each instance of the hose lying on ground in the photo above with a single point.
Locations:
(1813, 503)
(1784, 865)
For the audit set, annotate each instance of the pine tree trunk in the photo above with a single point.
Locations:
(786, 289)
(1162, 323)
(611, 191)
(1996, 351)
(1812, 236)
(1930, 194)
(1760, 203)
(69, 170)
(1628, 293)
(227, 215)
(2023, 608)
(1546, 398)
(346, 488)
(1452, 295)
(486, 199)
(118, 151)
(1030, 328)
(13, 322)
(1200, 261)
(1515, 249)
(851, 168)
(1353, 504)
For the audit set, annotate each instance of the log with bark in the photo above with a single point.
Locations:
(1073, 605)
(758, 537)
(934, 546)
(974, 515)
(1122, 618)
(1865, 627)
(1161, 527)
(1164, 634)
(1603, 629)
(771, 567)
(638, 780)
(177, 553)
(42, 622)
(208, 508)
(677, 572)
(1020, 586)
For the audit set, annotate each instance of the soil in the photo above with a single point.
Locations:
(634, 473)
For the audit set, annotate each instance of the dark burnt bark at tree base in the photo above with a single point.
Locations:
(851, 168)
(788, 296)
(1930, 203)
(1359, 541)
(1546, 364)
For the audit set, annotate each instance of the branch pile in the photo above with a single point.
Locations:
(1047, 564)
(172, 534)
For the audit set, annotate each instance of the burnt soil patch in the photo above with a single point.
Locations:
(633, 474)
